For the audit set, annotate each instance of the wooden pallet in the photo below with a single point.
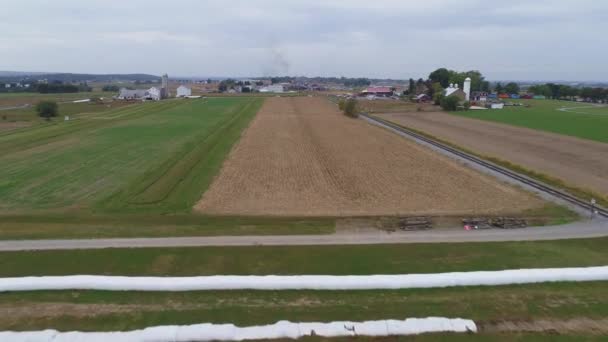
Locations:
(509, 223)
(477, 223)
(415, 223)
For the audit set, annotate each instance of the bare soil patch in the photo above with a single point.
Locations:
(572, 326)
(8, 126)
(579, 162)
(301, 157)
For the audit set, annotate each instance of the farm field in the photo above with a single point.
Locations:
(578, 309)
(301, 157)
(583, 120)
(114, 173)
(17, 99)
(577, 162)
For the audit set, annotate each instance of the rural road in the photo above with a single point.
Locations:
(584, 229)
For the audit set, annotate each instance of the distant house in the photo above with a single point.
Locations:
(423, 98)
(275, 88)
(378, 91)
(183, 91)
(479, 96)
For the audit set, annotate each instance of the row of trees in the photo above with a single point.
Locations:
(561, 91)
(48, 88)
(349, 107)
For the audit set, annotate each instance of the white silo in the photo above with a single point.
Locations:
(467, 89)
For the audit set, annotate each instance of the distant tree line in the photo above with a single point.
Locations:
(47, 88)
(566, 92)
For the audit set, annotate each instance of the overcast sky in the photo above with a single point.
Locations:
(515, 39)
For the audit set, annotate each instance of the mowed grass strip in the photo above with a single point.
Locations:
(78, 165)
(154, 225)
(96, 310)
(587, 123)
(331, 260)
(193, 167)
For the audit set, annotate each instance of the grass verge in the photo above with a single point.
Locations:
(129, 226)
(96, 310)
(338, 260)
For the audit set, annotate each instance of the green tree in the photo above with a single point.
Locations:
(350, 108)
(498, 88)
(441, 76)
(110, 87)
(512, 88)
(412, 87)
(450, 103)
(47, 109)
(437, 93)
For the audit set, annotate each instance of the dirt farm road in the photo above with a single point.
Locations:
(583, 229)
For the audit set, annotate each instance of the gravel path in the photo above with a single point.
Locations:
(585, 229)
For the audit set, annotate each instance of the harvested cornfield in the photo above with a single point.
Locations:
(301, 157)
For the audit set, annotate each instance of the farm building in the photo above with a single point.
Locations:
(139, 94)
(378, 91)
(154, 94)
(275, 88)
(183, 91)
(164, 87)
(423, 98)
(479, 96)
(454, 90)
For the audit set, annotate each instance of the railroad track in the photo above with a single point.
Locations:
(504, 171)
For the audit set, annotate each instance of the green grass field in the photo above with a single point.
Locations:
(100, 310)
(122, 159)
(583, 121)
(339, 260)
(127, 171)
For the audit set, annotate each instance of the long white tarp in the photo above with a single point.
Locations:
(230, 332)
(304, 282)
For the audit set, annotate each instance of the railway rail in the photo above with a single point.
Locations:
(585, 205)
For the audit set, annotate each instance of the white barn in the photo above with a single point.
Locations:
(183, 91)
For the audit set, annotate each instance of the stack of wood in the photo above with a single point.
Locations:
(509, 223)
(415, 223)
(476, 223)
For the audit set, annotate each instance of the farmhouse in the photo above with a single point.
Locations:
(378, 91)
(183, 91)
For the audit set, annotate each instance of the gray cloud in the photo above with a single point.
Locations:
(519, 39)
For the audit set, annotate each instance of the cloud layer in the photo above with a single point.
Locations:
(519, 39)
